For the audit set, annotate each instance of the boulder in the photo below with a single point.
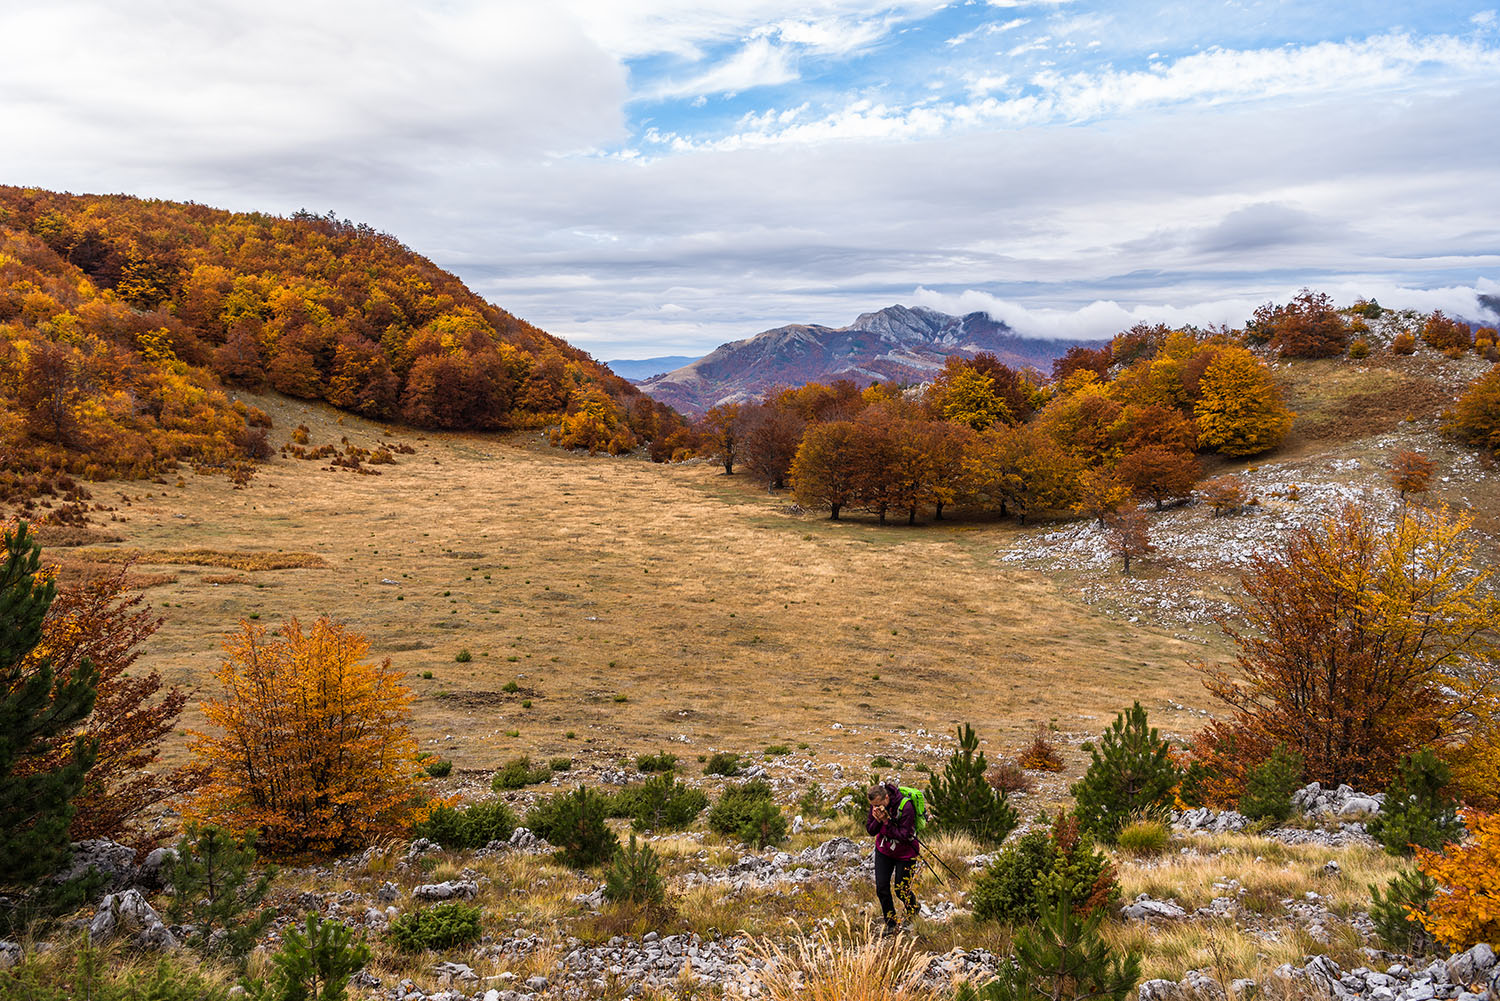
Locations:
(154, 867)
(115, 862)
(447, 890)
(1472, 967)
(128, 913)
(1144, 908)
(1159, 990)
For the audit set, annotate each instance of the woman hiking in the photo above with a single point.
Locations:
(893, 821)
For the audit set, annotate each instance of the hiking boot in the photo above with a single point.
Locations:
(890, 930)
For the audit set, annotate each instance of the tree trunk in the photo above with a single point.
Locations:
(911, 516)
(834, 515)
(939, 515)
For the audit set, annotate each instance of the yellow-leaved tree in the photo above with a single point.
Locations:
(1466, 909)
(313, 745)
(1239, 409)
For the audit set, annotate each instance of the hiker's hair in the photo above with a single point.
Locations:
(879, 792)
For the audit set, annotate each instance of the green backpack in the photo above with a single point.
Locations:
(918, 797)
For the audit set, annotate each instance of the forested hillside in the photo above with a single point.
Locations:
(128, 322)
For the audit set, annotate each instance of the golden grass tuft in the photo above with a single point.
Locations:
(843, 966)
(230, 559)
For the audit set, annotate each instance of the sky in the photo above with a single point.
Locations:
(654, 177)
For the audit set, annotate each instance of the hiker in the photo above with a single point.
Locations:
(893, 821)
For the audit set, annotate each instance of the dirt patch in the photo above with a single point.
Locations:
(205, 558)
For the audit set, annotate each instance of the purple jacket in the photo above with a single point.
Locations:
(897, 837)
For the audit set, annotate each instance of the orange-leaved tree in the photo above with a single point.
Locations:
(1411, 473)
(314, 747)
(1476, 415)
(1362, 644)
(100, 621)
(1466, 909)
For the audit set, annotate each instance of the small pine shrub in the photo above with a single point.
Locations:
(1144, 838)
(314, 963)
(439, 768)
(961, 801)
(813, 803)
(881, 761)
(73, 972)
(1008, 778)
(216, 891)
(1041, 754)
(858, 807)
(510, 688)
(442, 926)
(635, 877)
(463, 657)
(1419, 811)
(1391, 912)
(723, 763)
(1042, 867)
(748, 812)
(777, 750)
(663, 761)
(576, 823)
(1060, 958)
(1131, 774)
(662, 803)
(518, 773)
(561, 765)
(1270, 784)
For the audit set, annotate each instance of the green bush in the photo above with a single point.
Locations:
(1144, 838)
(723, 763)
(439, 768)
(1418, 809)
(464, 656)
(880, 761)
(561, 765)
(661, 803)
(813, 803)
(1042, 867)
(576, 823)
(748, 812)
(518, 773)
(1131, 774)
(1270, 784)
(962, 801)
(1390, 915)
(777, 750)
(510, 688)
(314, 963)
(665, 761)
(635, 877)
(216, 891)
(472, 826)
(441, 926)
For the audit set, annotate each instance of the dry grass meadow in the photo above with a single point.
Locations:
(632, 604)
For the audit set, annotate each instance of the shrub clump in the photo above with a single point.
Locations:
(473, 826)
(661, 803)
(1007, 778)
(314, 963)
(722, 763)
(441, 926)
(438, 768)
(747, 812)
(663, 761)
(1393, 912)
(1041, 754)
(517, 773)
(1040, 869)
(1419, 811)
(1131, 774)
(576, 823)
(1269, 786)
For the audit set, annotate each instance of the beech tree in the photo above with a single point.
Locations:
(964, 395)
(1360, 645)
(1130, 536)
(1445, 334)
(1476, 415)
(312, 744)
(721, 432)
(1159, 473)
(1024, 471)
(1225, 494)
(1411, 473)
(100, 624)
(825, 470)
(1240, 410)
(769, 435)
(1100, 493)
(1307, 327)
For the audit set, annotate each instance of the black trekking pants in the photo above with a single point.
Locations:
(897, 873)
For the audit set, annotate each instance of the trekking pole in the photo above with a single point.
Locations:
(933, 854)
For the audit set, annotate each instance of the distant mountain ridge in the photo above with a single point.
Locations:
(637, 369)
(906, 344)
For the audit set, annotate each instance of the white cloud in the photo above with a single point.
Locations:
(760, 63)
(1485, 19)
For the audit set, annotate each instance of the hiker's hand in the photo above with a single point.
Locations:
(880, 813)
